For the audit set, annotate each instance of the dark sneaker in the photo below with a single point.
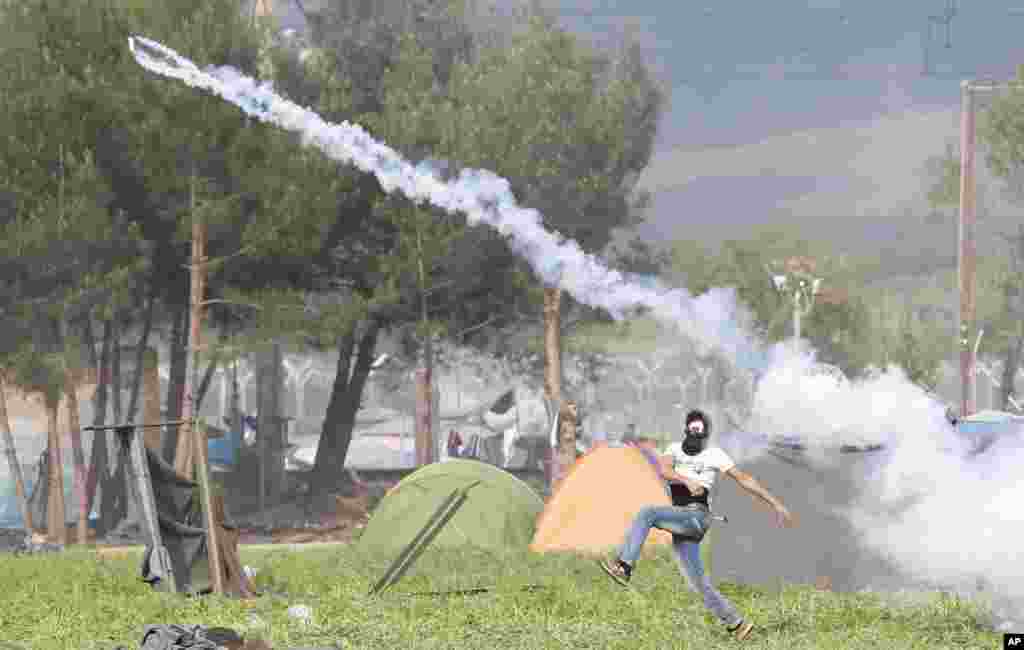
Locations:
(742, 631)
(616, 571)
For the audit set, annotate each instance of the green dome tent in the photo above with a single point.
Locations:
(500, 511)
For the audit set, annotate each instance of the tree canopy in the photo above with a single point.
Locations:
(105, 167)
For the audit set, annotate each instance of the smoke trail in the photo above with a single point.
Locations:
(483, 197)
(928, 506)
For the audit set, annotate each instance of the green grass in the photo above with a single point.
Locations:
(75, 601)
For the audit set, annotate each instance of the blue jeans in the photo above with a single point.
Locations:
(688, 528)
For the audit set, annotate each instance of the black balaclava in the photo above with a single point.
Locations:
(695, 443)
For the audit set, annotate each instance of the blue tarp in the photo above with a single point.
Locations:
(986, 427)
(991, 422)
(224, 451)
(981, 428)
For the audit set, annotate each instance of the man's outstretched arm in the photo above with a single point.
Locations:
(751, 485)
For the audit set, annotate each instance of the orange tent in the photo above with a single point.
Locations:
(594, 505)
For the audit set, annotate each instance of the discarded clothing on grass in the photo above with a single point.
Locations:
(188, 637)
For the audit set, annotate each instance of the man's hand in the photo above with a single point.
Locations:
(750, 484)
(695, 488)
(784, 516)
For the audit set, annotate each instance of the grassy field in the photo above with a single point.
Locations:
(76, 601)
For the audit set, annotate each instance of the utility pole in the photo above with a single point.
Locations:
(966, 254)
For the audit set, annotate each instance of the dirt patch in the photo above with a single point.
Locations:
(350, 515)
(314, 535)
(290, 524)
(287, 523)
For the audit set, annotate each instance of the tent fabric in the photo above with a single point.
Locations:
(39, 495)
(184, 535)
(499, 513)
(181, 528)
(37, 492)
(594, 505)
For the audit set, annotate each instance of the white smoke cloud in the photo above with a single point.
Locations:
(927, 505)
(944, 516)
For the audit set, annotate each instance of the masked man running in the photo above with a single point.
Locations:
(691, 467)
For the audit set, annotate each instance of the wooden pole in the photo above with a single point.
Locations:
(12, 460)
(213, 543)
(552, 370)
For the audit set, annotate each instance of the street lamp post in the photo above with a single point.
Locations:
(803, 289)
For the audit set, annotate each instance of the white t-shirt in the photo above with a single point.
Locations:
(704, 468)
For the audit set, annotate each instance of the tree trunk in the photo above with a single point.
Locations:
(176, 381)
(426, 447)
(78, 456)
(326, 449)
(119, 481)
(56, 528)
(424, 440)
(98, 457)
(150, 399)
(211, 368)
(568, 419)
(116, 382)
(12, 461)
(268, 423)
(552, 371)
(191, 454)
(340, 419)
(1011, 363)
(190, 433)
(204, 384)
(141, 358)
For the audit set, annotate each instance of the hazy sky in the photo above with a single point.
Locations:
(799, 109)
(740, 69)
